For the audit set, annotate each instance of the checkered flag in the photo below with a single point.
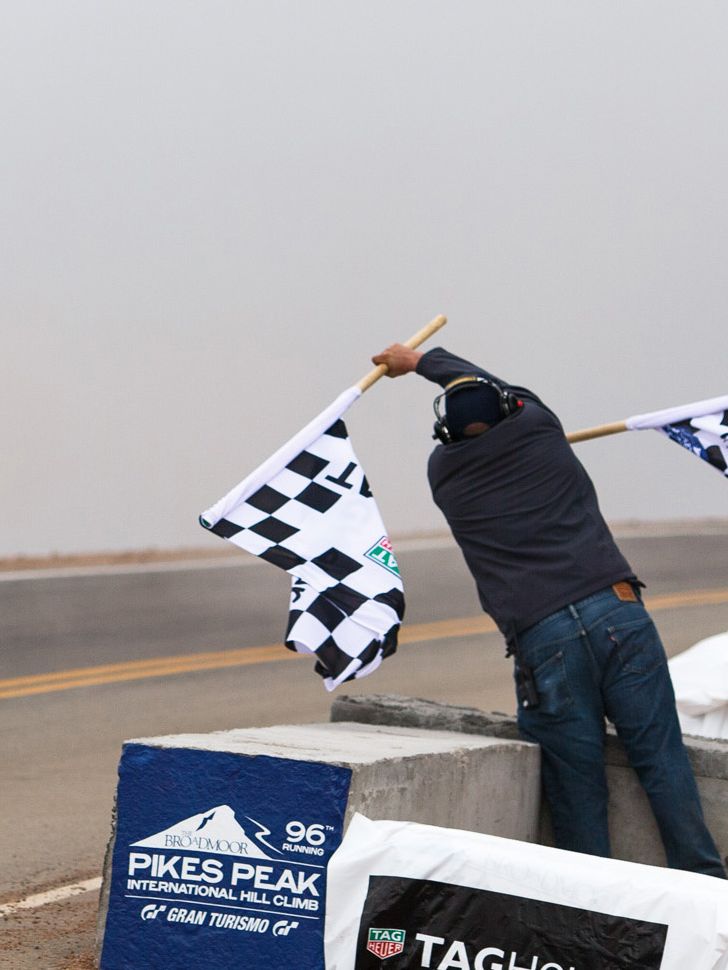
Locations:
(706, 437)
(701, 427)
(309, 510)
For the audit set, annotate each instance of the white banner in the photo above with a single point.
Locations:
(405, 895)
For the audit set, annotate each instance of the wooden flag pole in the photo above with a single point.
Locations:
(598, 432)
(433, 326)
(414, 341)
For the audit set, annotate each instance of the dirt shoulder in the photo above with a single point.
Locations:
(136, 557)
(60, 936)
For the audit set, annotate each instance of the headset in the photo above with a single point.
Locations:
(508, 403)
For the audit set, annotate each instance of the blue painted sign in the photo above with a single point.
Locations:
(220, 860)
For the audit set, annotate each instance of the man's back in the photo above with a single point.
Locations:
(525, 514)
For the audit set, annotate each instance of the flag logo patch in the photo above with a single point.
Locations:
(383, 553)
(384, 943)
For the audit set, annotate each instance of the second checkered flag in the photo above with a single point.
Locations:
(309, 510)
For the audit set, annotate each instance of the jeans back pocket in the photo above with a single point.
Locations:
(637, 645)
(554, 696)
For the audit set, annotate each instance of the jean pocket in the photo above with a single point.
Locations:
(637, 646)
(554, 696)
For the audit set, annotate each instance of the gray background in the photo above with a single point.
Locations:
(213, 213)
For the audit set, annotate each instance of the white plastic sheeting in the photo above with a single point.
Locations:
(401, 894)
(700, 678)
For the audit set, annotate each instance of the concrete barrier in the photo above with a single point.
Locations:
(220, 798)
(632, 827)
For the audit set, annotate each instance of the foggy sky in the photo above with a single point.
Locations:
(214, 213)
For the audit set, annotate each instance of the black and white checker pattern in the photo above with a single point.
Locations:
(706, 436)
(317, 519)
(337, 627)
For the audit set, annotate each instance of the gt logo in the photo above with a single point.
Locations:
(283, 927)
(152, 911)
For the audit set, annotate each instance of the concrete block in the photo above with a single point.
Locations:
(484, 784)
(633, 830)
(438, 777)
(394, 709)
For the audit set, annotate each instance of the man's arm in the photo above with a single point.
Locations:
(436, 365)
(440, 366)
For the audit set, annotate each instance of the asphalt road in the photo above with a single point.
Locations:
(197, 648)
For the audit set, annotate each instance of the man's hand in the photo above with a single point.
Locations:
(398, 359)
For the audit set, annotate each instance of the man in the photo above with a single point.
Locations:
(525, 514)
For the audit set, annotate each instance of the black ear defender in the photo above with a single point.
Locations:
(508, 403)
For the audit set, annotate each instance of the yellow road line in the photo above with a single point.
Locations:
(141, 670)
(143, 666)
(273, 653)
(695, 597)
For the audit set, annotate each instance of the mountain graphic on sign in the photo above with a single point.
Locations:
(216, 830)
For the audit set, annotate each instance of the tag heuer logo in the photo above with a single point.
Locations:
(383, 553)
(385, 943)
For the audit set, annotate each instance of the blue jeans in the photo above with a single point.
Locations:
(602, 657)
